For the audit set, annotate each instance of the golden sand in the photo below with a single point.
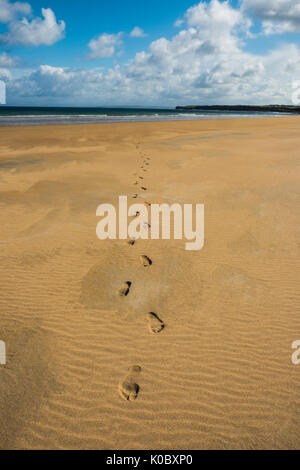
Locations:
(198, 353)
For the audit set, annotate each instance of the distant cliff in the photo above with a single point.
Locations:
(273, 108)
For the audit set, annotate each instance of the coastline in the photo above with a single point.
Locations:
(212, 120)
(53, 116)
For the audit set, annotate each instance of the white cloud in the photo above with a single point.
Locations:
(213, 15)
(137, 32)
(6, 61)
(104, 45)
(204, 63)
(216, 22)
(5, 75)
(178, 23)
(38, 31)
(10, 11)
(277, 16)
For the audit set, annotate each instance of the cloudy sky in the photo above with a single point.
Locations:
(149, 53)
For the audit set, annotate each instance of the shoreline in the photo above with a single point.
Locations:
(144, 121)
(166, 122)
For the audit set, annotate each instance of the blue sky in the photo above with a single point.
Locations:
(155, 17)
(88, 52)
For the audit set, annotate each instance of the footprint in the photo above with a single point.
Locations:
(135, 196)
(131, 242)
(124, 289)
(146, 261)
(155, 324)
(141, 178)
(143, 188)
(128, 388)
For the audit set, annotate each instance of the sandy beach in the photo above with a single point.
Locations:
(219, 374)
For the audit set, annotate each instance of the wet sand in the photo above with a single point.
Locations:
(197, 353)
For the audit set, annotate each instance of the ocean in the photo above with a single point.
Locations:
(29, 116)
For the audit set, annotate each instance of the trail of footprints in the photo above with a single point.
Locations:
(128, 387)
